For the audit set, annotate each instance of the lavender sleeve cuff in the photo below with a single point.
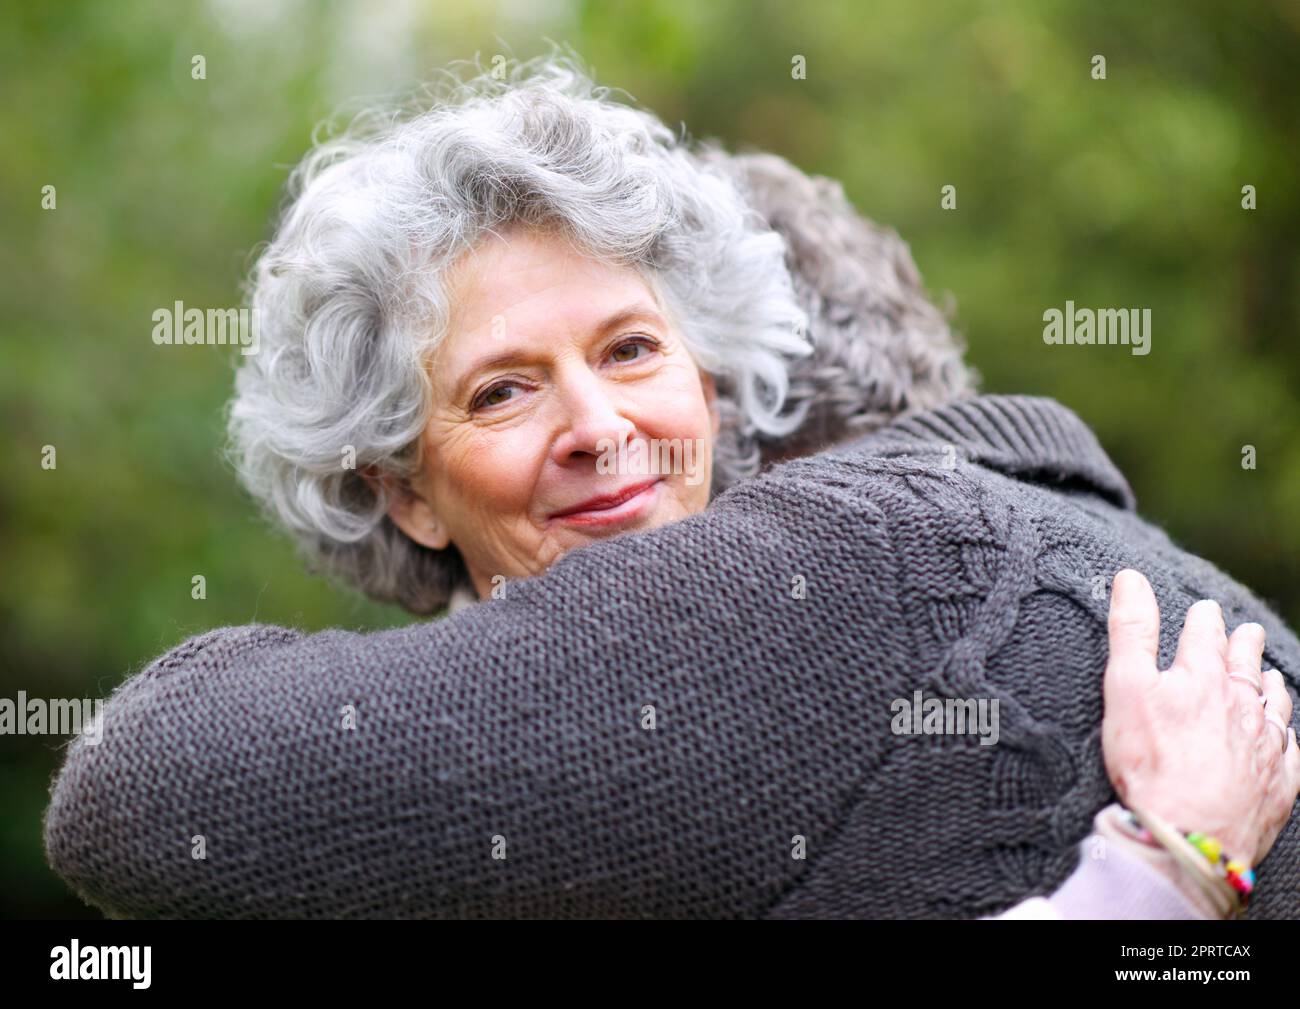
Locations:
(1119, 885)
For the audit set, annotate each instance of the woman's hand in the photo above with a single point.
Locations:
(1194, 745)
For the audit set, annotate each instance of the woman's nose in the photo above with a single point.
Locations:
(592, 421)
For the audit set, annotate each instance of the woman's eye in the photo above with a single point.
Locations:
(640, 343)
(631, 351)
(490, 398)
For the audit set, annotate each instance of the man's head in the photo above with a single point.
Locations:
(881, 347)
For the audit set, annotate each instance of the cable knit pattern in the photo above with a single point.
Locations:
(964, 552)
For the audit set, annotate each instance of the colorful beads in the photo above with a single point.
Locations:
(1234, 872)
(1240, 877)
(1207, 846)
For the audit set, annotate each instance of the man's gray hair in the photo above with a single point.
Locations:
(882, 347)
(352, 298)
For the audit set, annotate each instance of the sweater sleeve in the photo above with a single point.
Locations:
(655, 727)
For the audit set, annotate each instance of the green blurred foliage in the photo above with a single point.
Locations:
(1118, 193)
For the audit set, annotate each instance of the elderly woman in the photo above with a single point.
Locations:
(475, 306)
(462, 313)
(502, 334)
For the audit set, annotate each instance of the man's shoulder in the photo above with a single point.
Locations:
(1045, 532)
(929, 483)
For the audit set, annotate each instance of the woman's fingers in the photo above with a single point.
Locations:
(1134, 627)
(1279, 698)
(1245, 653)
(1279, 766)
(1203, 645)
(1285, 775)
(1277, 709)
(1246, 679)
(1292, 761)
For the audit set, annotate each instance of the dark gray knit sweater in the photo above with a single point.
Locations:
(965, 552)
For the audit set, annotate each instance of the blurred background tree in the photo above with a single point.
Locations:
(1123, 192)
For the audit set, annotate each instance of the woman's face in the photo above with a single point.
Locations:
(552, 362)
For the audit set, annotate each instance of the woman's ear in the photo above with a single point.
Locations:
(411, 513)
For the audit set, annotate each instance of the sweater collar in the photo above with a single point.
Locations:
(1027, 437)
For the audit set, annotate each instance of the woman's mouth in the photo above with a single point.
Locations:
(611, 510)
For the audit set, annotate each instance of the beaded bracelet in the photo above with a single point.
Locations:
(1215, 865)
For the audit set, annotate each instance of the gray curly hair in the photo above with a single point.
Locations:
(352, 301)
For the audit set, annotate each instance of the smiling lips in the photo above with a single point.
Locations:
(610, 509)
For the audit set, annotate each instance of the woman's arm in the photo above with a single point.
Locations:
(1193, 745)
(1118, 878)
